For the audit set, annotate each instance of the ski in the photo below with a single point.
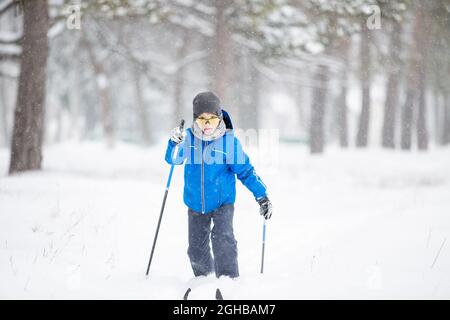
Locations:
(219, 294)
(186, 294)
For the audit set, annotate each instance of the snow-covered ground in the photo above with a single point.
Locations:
(348, 224)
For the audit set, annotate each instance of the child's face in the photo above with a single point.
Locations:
(208, 122)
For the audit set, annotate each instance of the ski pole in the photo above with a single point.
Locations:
(163, 203)
(263, 246)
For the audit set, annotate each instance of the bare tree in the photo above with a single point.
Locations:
(74, 95)
(253, 109)
(222, 51)
(423, 44)
(343, 52)
(365, 70)
(247, 80)
(392, 88)
(317, 135)
(179, 79)
(4, 107)
(446, 120)
(407, 112)
(141, 113)
(415, 81)
(101, 81)
(422, 131)
(26, 147)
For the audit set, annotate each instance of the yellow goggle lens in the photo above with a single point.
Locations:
(214, 121)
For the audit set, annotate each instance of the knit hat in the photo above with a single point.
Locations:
(206, 102)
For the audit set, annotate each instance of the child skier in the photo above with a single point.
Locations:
(214, 157)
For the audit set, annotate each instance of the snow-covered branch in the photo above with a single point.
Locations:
(55, 29)
(5, 5)
(9, 71)
(9, 56)
(192, 8)
(10, 51)
(7, 37)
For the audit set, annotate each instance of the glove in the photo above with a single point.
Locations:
(265, 207)
(177, 135)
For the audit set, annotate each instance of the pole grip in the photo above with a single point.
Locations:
(175, 153)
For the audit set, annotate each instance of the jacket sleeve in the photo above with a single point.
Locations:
(244, 170)
(178, 158)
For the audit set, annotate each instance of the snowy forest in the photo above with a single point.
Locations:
(349, 102)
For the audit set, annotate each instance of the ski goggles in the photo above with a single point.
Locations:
(213, 121)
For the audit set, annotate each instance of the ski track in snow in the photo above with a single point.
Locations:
(348, 224)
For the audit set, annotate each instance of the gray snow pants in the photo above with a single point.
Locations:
(224, 245)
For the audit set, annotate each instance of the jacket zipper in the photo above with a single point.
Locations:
(203, 177)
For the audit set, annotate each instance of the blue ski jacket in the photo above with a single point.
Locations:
(211, 168)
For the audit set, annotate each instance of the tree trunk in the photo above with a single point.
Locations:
(342, 117)
(365, 69)
(254, 106)
(422, 44)
(179, 84)
(300, 102)
(392, 90)
(74, 101)
(317, 135)
(26, 147)
(101, 80)
(4, 106)
(415, 68)
(59, 120)
(342, 101)
(248, 92)
(106, 114)
(446, 118)
(437, 116)
(222, 52)
(422, 132)
(407, 116)
(142, 113)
